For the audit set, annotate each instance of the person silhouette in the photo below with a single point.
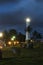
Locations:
(0, 54)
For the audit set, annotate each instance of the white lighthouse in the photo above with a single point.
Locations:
(27, 33)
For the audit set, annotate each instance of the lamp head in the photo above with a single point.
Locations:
(27, 19)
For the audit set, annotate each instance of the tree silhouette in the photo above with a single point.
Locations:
(28, 29)
(5, 36)
(36, 35)
(12, 32)
(21, 37)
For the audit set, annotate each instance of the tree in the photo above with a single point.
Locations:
(21, 37)
(36, 35)
(9, 34)
(28, 29)
(12, 32)
(5, 36)
(39, 36)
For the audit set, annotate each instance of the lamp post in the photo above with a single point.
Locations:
(27, 33)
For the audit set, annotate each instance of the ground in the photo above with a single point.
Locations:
(27, 57)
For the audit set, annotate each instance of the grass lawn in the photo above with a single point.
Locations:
(27, 57)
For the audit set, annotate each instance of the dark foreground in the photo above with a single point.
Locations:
(30, 56)
(27, 57)
(21, 61)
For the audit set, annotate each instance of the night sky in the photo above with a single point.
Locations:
(14, 12)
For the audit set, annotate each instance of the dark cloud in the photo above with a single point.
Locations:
(38, 19)
(2, 1)
(17, 12)
(39, 0)
(12, 18)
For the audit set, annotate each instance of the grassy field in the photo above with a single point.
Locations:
(27, 57)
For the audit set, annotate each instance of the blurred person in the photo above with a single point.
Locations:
(0, 54)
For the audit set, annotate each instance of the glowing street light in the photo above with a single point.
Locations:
(1, 34)
(1, 47)
(28, 20)
(14, 43)
(13, 38)
(9, 43)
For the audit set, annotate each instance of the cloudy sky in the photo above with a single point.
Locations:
(14, 12)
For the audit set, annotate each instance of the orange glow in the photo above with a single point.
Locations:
(9, 43)
(1, 47)
(14, 43)
(17, 42)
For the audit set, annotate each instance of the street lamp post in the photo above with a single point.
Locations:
(27, 33)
